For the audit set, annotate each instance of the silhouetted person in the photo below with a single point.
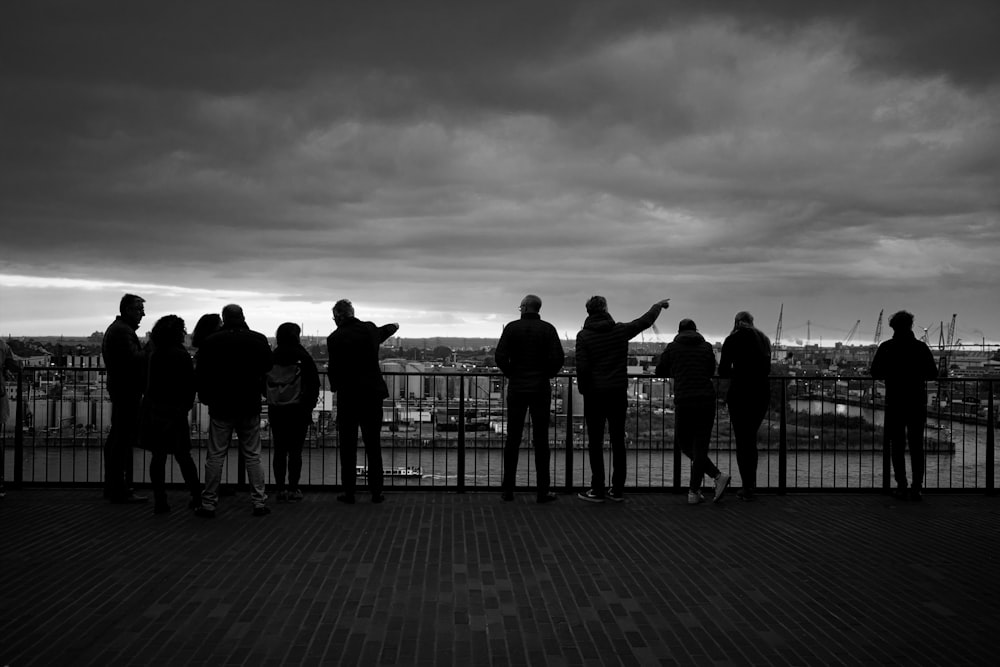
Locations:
(529, 354)
(357, 379)
(690, 360)
(230, 375)
(169, 396)
(292, 394)
(746, 361)
(905, 364)
(125, 362)
(602, 378)
(207, 324)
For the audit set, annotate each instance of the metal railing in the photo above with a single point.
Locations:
(446, 431)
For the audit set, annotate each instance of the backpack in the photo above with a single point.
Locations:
(284, 384)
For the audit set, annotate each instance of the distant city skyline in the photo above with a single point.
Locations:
(435, 162)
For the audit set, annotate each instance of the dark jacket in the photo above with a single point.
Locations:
(602, 350)
(230, 371)
(529, 353)
(170, 387)
(287, 355)
(353, 368)
(746, 360)
(124, 359)
(690, 360)
(905, 364)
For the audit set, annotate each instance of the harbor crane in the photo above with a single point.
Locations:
(878, 327)
(777, 334)
(951, 330)
(854, 330)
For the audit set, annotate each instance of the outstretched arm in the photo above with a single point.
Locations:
(640, 324)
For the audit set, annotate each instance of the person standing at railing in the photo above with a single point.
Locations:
(530, 355)
(690, 360)
(746, 361)
(125, 362)
(905, 364)
(292, 394)
(230, 379)
(7, 365)
(356, 378)
(166, 403)
(602, 378)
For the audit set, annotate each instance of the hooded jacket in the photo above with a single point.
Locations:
(529, 353)
(690, 360)
(905, 364)
(602, 350)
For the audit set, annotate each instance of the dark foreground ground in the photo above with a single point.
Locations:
(444, 579)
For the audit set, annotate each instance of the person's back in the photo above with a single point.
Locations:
(905, 364)
(746, 359)
(231, 367)
(529, 353)
(690, 360)
(602, 349)
(353, 367)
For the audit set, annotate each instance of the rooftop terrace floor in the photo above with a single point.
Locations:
(446, 579)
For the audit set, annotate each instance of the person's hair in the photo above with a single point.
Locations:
(287, 334)
(687, 324)
(207, 325)
(531, 303)
(343, 308)
(233, 314)
(743, 320)
(168, 330)
(597, 304)
(128, 301)
(902, 320)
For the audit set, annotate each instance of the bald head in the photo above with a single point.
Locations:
(233, 314)
(531, 304)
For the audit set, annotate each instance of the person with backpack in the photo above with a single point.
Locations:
(746, 361)
(292, 388)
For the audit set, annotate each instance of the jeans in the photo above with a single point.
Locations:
(610, 407)
(746, 412)
(353, 413)
(220, 432)
(905, 427)
(122, 436)
(288, 434)
(518, 404)
(693, 433)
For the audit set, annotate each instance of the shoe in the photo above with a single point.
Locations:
(507, 496)
(346, 498)
(281, 497)
(901, 493)
(746, 495)
(263, 510)
(295, 496)
(204, 512)
(617, 496)
(161, 508)
(547, 498)
(130, 499)
(695, 498)
(721, 482)
(378, 498)
(590, 496)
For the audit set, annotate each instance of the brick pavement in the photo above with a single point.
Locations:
(444, 579)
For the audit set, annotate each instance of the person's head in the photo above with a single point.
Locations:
(233, 315)
(132, 309)
(743, 320)
(207, 325)
(686, 324)
(530, 304)
(596, 305)
(342, 311)
(287, 334)
(168, 330)
(901, 321)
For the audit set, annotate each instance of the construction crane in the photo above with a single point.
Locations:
(854, 330)
(777, 334)
(878, 327)
(941, 337)
(951, 330)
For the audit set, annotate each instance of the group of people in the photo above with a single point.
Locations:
(153, 389)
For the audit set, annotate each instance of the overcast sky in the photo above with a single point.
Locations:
(435, 161)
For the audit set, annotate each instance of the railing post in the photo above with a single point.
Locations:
(19, 431)
(990, 444)
(461, 436)
(783, 442)
(569, 433)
